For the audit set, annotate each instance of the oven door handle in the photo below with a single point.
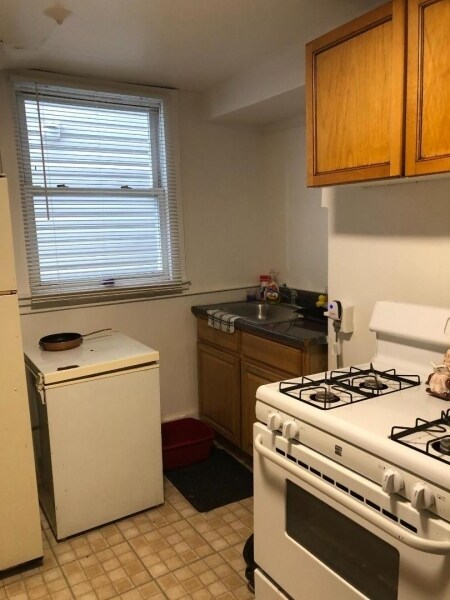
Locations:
(429, 546)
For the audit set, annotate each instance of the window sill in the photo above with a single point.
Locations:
(30, 305)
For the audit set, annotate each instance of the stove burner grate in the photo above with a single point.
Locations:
(376, 383)
(438, 444)
(347, 386)
(320, 394)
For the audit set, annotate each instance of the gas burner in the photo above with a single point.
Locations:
(442, 445)
(324, 396)
(373, 383)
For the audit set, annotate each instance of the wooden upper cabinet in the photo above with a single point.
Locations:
(355, 96)
(428, 87)
(378, 95)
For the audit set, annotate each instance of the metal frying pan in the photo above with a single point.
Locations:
(65, 341)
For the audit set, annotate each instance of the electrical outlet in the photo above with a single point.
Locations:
(347, 319)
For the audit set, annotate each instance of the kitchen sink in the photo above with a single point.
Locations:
(261, 312)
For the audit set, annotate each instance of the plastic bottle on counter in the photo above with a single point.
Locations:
(272, 291)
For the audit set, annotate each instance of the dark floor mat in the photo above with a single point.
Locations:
(214, 482)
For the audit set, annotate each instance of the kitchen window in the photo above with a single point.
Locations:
(99, 191)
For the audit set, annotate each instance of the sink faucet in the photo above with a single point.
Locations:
(288, 293)
(293, 295)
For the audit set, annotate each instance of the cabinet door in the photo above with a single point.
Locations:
(428, 93)
(354, 103)
(315, 359)
(251, 378)
(219, 391)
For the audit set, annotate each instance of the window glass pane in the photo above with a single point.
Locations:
(88, 146)
(103, 237)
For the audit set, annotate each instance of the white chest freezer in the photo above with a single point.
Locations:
(96, 411)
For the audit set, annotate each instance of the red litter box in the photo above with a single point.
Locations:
(184, 442)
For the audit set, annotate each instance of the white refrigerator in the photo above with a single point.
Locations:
(20, 531)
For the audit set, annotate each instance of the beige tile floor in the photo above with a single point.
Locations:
(170, 552)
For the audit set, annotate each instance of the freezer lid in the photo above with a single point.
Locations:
(97, 354)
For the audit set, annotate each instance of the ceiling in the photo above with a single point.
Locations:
(188, 44)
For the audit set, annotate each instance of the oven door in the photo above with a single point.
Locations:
(313, 541)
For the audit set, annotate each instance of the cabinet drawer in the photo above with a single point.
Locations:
(271, 353)
(221, 339)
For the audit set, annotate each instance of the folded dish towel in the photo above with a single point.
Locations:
(221, 320)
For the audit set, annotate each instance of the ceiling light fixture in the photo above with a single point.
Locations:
(58, 13)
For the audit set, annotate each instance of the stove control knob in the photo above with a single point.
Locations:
(422, 496)
(392, 481)
(274, 421)
(290, 430)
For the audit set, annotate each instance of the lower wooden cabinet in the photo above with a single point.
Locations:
(219, 391)
(231, 367)
(251, 378)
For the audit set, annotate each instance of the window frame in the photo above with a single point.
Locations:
(173, 250)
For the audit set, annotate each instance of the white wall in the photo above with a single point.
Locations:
(304, 227)
(273, 77)
(388, 242)
(226, 215)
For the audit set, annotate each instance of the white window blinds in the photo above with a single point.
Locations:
(99, 189)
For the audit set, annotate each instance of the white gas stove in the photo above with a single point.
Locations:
(372, 442)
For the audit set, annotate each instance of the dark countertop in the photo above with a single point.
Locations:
(299, 333)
